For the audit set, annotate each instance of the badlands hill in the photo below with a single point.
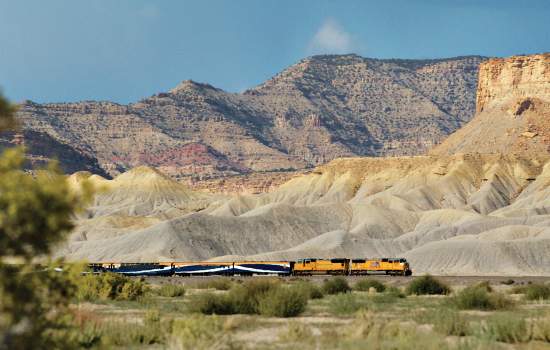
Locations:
(479, 213)
(319, 109)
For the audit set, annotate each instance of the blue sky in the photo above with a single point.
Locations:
(124, 50)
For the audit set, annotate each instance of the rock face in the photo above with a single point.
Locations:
(322, 108)
(513, 109)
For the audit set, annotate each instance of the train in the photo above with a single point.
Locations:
(300, 267)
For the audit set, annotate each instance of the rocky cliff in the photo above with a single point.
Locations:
(513, 109)
(321, 108)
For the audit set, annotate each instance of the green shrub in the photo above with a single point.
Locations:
(336, 285)
(506, 328)
(282, 302)
(218, 283)
(312, 291)
(507, 282)
(368, 283)
(537, 291)
(171, 290)
(541, 329)
(344, 304)
(477, 297)
(212, 304)
(110, 286)
(427, 285)
(242, 298)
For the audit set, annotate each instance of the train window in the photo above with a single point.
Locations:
(358, 260)
(384, 260)
(402, 260)
(337, 260)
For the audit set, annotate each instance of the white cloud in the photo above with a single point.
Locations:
(331, 38)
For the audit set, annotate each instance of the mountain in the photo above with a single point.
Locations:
(512, 109)
(319, 109)
(479, 213)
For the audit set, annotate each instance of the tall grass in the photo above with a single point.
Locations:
(218, 283)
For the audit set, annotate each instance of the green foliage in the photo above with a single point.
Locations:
(344, 304)
(35, 214)
(477, 297)
(266, 297)
(283, 302)
(508, 282)
(336, 285)
(213, 304)
(368, 283)
(310, 290)
(110, 286)
(427, 285)
(395, 292)
(171, 290)
(218, 283)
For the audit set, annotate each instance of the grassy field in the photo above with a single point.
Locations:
(326, 313)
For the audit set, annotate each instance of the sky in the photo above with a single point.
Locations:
(126, 50)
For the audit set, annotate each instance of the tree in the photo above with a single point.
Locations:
(35, 214)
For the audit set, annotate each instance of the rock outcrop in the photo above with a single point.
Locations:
(513, 109)
(319, 109)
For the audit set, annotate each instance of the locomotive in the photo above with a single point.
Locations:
(309, 266)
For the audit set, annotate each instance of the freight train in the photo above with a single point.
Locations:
(312, 266)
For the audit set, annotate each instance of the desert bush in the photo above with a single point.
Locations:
(506, 328)
(476, 297)
(218, 283)
(199, 333)
(537, 291)
(212, 304)
(111, 286)
(507, 282)
(171, 290)
(283, 302)
(312, 291)
(427, 285)
(344, 304)
(368, 283)
(336, 285)
(245, 297)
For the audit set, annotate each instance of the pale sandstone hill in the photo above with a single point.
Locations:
(440, 212)
(319, 109)
(513, 109)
